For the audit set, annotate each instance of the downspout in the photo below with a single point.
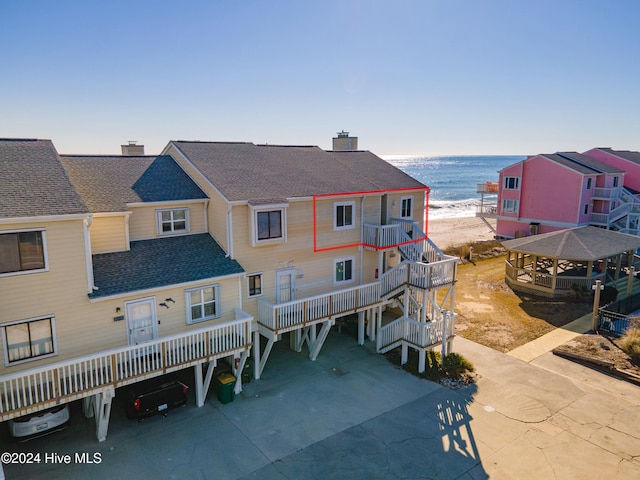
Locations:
(229, 232)
(520, 189)
(361, 235)
(86, 223)
(206, 215)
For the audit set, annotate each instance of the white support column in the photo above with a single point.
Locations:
(264, 356)
(256, 355)
(361, 328)
(445, 314)
(102, 412)
(203, 382)
(405, 354)
(374, 323)
(422, 360)
(320, 338)
(241, 359)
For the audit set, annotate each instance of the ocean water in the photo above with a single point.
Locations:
(453, 180)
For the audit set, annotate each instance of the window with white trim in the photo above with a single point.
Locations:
(203, 303)
(344, 270)
(174, 220)
(343, 213)
(22, 251)
(511, 183)
(254, 284)
(269, 225)
(509, 206)
(589, 183)
(586, 208)
(406, 207)
(28, 340)
(615, 182)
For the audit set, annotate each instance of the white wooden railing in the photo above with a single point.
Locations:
(283, 317)
(544, 281)
(487, 187)
(418, 334)
(79, 377)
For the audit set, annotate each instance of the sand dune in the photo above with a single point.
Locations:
(450, 232)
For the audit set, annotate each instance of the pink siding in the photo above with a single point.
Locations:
(550, 191)
(630, 179)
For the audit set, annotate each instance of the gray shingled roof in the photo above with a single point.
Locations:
(161, 262)
(33, 182)
(591, 163)
(108, 183)
(578, 243)
(626, 154)
(249, 172)
(583, 169)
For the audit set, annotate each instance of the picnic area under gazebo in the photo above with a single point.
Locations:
(557, 263)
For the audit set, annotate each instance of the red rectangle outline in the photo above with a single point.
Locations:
(362, 244)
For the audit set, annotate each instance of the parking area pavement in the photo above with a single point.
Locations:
(352, 414)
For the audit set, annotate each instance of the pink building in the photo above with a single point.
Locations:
(549, 192)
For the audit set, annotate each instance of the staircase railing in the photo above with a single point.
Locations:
(417, 334)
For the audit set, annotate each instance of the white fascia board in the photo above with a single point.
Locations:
(166, 287)
(45, 218)
(165, 202)
(112, 214)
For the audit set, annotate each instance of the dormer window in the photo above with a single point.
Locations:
(268, 224)
(174, 220)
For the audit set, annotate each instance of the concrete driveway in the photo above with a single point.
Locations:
(351, 414)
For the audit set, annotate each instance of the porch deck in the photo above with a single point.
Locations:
(39, 388)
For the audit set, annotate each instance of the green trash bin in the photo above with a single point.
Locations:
(226, 385)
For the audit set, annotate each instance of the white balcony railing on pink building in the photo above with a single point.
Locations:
(606, 193)
(69, 380)
(284, 317)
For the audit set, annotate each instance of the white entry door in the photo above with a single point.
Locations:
(285, 285)
(141, 321)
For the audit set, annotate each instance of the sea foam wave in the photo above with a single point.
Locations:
(449, 209)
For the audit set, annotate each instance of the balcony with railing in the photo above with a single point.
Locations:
(61, 382)
(487, 187)
(295, 314)
(606, 193)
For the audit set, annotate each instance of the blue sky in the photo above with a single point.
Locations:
(405, 76)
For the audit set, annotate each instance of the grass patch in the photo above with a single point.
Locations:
(491, 314)
(480, 249)
(630, 343)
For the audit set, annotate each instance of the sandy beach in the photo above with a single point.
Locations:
(450, 232)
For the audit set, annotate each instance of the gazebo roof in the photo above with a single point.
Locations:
(578, 243)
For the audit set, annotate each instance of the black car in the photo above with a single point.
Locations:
(155, 396)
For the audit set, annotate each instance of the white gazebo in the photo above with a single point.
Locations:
(554, 264)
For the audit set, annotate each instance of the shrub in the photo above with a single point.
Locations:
(630, 343)
(454, 365)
